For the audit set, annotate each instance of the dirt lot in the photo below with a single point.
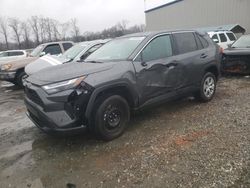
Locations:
(179, 144)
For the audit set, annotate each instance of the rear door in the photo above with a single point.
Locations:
(190, 55)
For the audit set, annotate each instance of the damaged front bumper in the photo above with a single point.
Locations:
(61, 113)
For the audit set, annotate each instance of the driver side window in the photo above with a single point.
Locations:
(158, 48)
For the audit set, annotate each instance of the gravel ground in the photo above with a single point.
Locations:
(179, 144)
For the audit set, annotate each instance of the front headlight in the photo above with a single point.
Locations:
(61, 86)
(6, 67)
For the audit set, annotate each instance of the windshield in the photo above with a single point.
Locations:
(74, 51)
(36, 52)
(242, 42)
(119, 49)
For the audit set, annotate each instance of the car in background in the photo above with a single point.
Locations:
(236, 58)
(12, 55)
(223, 38)
(78, 52)
(126, 74)
(13, 71)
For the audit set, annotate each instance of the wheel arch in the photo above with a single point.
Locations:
(121, 88)
(213, 69)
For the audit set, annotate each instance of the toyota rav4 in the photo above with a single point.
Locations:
(126, 74)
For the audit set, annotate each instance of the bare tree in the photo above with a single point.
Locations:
(4, 31)
(122, 26)
(34, 23)
(42, 27)
(15, 25)
(48, 29)
(26, 34)
(75, 29)
(64, 30)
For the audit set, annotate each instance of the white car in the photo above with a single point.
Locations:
(222, 38)
(12, 55)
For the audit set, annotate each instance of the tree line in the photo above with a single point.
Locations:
(18, 34)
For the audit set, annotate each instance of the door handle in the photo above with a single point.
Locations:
(203, 56)
(172, 64)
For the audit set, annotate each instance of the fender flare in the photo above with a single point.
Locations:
(100, 89)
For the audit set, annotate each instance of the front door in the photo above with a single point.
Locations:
(155, 66)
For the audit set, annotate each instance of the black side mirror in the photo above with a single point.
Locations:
(143, 62)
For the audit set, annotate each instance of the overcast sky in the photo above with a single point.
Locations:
(92, 15)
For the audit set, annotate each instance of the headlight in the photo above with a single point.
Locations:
(61, 86)
(6, 67)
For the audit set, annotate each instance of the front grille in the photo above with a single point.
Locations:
(33, 96)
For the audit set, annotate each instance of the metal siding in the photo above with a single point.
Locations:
(200, 13)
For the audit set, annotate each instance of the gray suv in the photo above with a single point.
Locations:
(127, 74)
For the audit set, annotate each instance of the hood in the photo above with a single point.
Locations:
(20, 63)
(42, 63)
(67, 72)
(237, 51)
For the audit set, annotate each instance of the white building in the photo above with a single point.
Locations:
(187, 14)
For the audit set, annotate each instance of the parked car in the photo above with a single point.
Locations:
(236, 59)
(128, 73)
(78, 52)
(12, 55)
(13, 71)
(223, 38)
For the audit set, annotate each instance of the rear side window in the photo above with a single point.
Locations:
(67, 45)
(158, 48)
(231, 36)
(223, 37)
(16, 53)
(185, 42)
(53, 49)
(203, 41)
(198, 41)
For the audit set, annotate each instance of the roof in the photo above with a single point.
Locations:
(235, 28)
(47, 43)
(93, 42)
(151, 33)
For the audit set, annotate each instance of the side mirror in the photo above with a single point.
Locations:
(42, 54)
(229, 45)
(143, 63)
(216, 40)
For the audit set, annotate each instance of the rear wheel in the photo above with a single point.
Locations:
(207, 88)
(110, 117)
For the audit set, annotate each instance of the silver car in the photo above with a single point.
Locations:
(77, 53)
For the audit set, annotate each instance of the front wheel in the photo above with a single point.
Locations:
(110, 117)
(207, 87)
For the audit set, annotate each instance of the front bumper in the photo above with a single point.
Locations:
(7, 76)
(60, 113)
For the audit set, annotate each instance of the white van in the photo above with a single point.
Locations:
(222, 38)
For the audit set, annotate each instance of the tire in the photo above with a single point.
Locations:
(19, 79)
(110, 117)
(207, 88)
